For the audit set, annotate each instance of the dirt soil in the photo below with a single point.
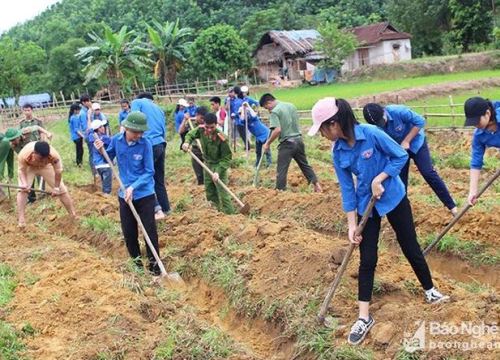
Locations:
(77, 292)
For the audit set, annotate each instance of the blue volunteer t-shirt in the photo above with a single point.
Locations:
(97, 159)
(258, 129)
(483, 139)
(234, 108)
(75, 125)
(400, 120)
(373, 152)
(191, 110)
(155, 117)
(135, 163)
(178, 118)
(83, 118)
(122, 115)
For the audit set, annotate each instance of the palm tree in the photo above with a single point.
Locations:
(170, 47)
(114, 56)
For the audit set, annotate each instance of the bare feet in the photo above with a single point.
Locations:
(159, 215)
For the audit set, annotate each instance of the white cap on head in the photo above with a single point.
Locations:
(96, 106)
(182, 102)
(244, 89)
(96, 124)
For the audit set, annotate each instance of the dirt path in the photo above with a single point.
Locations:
(405, 95)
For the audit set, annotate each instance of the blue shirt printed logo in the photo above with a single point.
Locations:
(367, 153)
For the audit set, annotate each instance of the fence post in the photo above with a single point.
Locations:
(425, 111)
(143, 87)
(196, 86)
(54, 100)
(452, 111)
(62, 97)
(156, 89)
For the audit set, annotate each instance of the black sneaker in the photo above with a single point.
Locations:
(359, 330)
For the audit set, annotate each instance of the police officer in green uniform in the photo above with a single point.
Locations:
(217, 154)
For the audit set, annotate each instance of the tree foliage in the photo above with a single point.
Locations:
(115, 56)
(336, 44)
(219, 50)
(170, 46)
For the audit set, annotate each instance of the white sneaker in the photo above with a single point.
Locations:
(432, 296)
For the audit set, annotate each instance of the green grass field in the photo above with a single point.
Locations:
(304, 97)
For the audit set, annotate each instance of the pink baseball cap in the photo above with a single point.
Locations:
(323, 110)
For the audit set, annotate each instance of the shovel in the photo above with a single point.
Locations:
(460, 214)
(8, 186)
(244, 208)
(256, 176)
(174, 277)
(345, 261)
(198, 142)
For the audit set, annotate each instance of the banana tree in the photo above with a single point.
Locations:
(114, 56)
(169, 47)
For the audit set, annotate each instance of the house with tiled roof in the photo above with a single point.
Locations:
(379, 43)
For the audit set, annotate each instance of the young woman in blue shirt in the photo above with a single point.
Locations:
(485, 116)
(376, 160)
(406, 127)
(77, 131)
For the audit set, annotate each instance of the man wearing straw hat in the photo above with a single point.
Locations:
(134, 155)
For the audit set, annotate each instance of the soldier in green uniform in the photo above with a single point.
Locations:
(217, 155)
(29, 121)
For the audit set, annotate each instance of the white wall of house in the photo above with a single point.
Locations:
(385, 52)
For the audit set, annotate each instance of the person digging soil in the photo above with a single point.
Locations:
(134, 154)
(376, 160)
(40, 159)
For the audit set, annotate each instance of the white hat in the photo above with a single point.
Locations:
(96, 124)
(244, 89)
(96, 106)
(182, 102)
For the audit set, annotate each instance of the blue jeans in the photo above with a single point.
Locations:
(160, 189)
(424, 164)
(258, 153)
(106, 178)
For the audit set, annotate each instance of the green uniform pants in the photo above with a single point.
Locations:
(216, 194)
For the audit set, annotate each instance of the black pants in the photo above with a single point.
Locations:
(424, 165)
(159, 176)
(79, 151)
(198, 169)
(288, 150)
(146, 209)
(242, 131)
(401, 220)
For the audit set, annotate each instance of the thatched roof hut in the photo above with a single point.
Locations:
(287, 51)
